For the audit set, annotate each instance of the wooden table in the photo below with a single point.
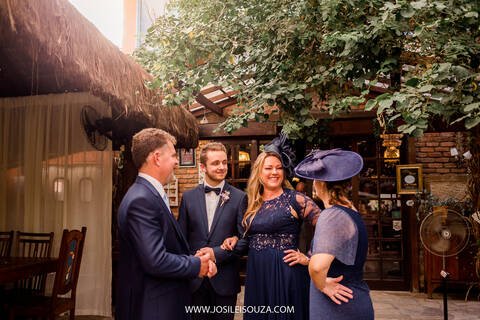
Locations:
(12, 269)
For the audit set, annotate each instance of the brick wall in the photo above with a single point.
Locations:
(188, 177)
(433, 152)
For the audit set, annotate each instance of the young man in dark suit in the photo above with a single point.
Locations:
(155, 263)
(209, 214)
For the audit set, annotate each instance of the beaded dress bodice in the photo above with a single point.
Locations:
(275, 224)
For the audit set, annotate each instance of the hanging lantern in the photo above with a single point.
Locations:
(243, 156)
(391, 142)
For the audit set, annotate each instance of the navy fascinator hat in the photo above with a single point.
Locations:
(330, 165)
(279, 146)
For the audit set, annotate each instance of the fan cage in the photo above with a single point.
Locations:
(446, 215)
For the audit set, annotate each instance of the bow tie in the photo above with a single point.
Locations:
(210, 189)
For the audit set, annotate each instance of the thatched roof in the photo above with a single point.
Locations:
(49, 47)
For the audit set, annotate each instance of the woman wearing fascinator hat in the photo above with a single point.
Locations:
(340, 243)
(277, 274)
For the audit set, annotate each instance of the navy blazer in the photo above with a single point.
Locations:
(155, 264)
(192, 218)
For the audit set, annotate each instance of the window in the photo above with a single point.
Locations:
(59, 189)
(241, 155)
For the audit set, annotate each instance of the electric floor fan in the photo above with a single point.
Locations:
(444, 233)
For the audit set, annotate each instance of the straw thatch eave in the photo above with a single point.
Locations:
(49, 47)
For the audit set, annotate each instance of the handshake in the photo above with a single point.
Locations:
(208, 268)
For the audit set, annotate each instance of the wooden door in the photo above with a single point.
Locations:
(374, 195)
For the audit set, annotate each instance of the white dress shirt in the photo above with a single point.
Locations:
(211, 201)
(158, 186)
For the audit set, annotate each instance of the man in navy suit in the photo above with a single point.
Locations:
(209, 214)
(155, 263)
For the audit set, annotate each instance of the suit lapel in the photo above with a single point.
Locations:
(218, 210)
(169, 214)
(175, 225)
(203, 208)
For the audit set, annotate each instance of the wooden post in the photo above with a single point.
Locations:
(412, 234)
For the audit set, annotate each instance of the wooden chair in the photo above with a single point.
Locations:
(33, 245)
(66, 279)
(6, 240)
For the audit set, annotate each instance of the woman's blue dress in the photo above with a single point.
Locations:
(273, 289)
(341, 232)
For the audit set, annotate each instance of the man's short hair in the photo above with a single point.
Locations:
(211, 146)
(146, 141)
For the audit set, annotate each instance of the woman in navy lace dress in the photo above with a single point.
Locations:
(277, 280)
(340, 242)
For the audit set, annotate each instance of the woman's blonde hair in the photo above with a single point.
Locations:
(255, 188)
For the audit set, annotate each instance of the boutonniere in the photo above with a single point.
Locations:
(225, 196)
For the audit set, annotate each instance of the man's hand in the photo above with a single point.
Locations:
(229, 243)
(205, 251)
(212, 269)
(204, 264)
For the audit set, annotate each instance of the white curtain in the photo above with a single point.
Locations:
(51, 179)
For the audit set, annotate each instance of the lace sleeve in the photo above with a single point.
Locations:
(337, 235)
(307, 209)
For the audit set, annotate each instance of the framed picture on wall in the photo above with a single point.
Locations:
(186, 158)
(409, 179)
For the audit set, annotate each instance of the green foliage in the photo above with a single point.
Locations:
(426, 202)
(290, 54)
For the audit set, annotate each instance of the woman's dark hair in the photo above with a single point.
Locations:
(338, 190)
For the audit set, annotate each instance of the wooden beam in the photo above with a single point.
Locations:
(344, 115)
(210, 90)
(223, 95)
(204, 101)
(227, 102)
(411, 230)
(346, 127)
(206, 131)
(215, 98)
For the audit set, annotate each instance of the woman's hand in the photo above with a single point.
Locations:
(318, 269)
(337, 292)
(229, 243)
(295, 257)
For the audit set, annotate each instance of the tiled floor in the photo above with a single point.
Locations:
(401, 305)
(396, 305)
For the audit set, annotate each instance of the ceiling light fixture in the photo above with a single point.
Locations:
(204, 120)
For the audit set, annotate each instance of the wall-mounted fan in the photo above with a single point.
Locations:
(96, 128)
(444, 233)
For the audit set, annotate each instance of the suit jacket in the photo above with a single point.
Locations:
(155, 264)
(192, 218)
